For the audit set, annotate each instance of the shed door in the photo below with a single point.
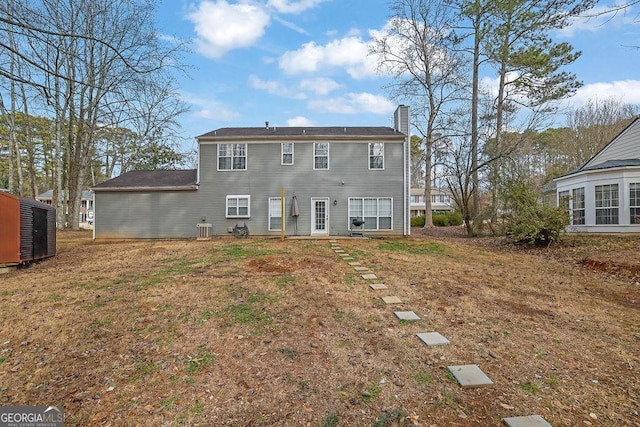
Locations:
(39, 233)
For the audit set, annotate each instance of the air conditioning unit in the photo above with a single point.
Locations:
(204, 231)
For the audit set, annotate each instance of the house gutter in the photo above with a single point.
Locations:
(300, 138)
(193, 187)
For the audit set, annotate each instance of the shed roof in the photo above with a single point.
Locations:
(150, 180)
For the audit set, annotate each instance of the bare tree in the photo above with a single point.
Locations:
(89, 60)
(427, 71)
(594, 125)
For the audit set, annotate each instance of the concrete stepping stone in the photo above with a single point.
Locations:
(470, 376)
(346, 257)
(528, 421)
(355, 263)
(339, 251)
(406, 315)
(378, 286)
(357, 268)
(432, 338)
(369, 276)
(332, 241)
(392, 300)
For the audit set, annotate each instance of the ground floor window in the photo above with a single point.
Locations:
(275, 214)
(634, 203)
(238, 206)
(577, 206)
(376, 212)
(607, 204)
(564, 200)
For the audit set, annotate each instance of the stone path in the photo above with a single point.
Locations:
(432, 338)
(468, 376)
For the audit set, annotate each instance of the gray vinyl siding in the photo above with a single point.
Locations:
(265, 176)
(146, 215)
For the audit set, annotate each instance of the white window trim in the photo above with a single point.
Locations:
(630, 205)
(279, 199)
(237, 197)
(574, 209)
(315, 156)
(377, 216)
(370, 156)
(246, 157)
(282, 153)
(610, 206)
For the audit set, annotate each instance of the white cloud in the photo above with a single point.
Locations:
(350, 53)
(291, 26)
(599, 18)
(625, 91)
(287, 6)
(300, 121)
(221, 27)
(319, 85)
(354, 103)
(206, 108)
(274, 88)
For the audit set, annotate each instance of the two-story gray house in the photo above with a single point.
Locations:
(329, 176)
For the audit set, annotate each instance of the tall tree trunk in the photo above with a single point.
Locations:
(31, 163)
(475, 94)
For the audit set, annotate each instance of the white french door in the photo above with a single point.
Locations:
(320, 216)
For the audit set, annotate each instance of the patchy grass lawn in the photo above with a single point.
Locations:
(267, 333)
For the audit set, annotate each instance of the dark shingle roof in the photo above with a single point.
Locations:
(150, 180)
(276, 132)
(611, 164)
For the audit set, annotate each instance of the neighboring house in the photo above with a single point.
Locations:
(336, 174)
(86, 204)
(440, 201)
(603, 195)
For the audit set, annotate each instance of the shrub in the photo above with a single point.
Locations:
(537, 224)
(417, 221)
(445, 219)
(529, 221)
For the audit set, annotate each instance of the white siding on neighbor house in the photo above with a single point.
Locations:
(624, 146)
(349, 176)
(622, 177)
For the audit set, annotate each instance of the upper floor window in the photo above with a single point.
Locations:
(321, 155)
(376, 155)
(607, 204)
(238, 206)
(287, 153)
(634, 202)
(232, 157)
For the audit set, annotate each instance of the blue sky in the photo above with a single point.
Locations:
(305, 62)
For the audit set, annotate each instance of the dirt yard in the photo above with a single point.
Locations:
(261, 332)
